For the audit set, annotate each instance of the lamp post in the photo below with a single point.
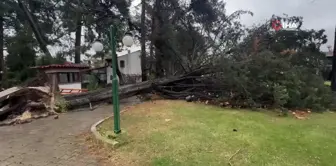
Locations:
(98, 47)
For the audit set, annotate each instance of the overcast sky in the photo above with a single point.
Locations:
(317, 14)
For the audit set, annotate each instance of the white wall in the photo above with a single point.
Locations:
(132, 63)
(135, 62)
(109, 73)
(76, 85)
(126, 69)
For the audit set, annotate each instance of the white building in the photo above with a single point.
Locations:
(129, 65)
(68, 76)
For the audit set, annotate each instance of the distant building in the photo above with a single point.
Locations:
(66, 76)
(129, 66)
(70, 76)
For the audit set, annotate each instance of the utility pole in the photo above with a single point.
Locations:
(333, 71)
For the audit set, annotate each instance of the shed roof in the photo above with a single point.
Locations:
(66, 65)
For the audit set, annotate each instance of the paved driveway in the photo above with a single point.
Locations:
(50, 142)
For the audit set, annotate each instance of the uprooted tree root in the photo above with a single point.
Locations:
(28, 101)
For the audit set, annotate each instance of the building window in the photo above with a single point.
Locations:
(122, 64)
(68, 77)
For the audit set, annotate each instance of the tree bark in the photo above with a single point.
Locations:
(151, 47)
(143, 41)
(2, 60)
(35, 28)
(155, 37)
(105, 94)
(84, 99)
(119, 74)
(333, 71)
(78, 38)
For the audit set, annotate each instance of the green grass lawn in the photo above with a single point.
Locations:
(173, 133)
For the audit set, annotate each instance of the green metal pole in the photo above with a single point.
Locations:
(115, 93)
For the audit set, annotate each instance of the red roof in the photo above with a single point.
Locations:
(66, 65)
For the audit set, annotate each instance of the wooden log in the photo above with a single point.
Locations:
(35, 105)
(9, 108)
(5, 109)
(141, 85)
(105, 94)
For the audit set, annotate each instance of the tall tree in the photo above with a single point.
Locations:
(5, 8)
(78, 38)
(35, 27)
(143, 41)
(21, 56)
(159, 71)
(2, 64)
(187, 35)
(333, 71)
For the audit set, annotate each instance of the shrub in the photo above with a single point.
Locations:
(93, 83)
(275, 80)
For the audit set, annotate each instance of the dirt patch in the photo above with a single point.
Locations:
(104, 153)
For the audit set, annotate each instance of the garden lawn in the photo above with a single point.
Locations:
(173, 133)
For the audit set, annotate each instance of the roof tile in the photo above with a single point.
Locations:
(65, 65)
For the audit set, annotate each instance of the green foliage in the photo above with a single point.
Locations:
(46, 60)
(273, 80)
(61, 104)
(280, 95)
(278, 69)
(20, 58)
(93, 83)
(190, 35)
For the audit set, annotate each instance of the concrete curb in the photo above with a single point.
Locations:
(99, 136)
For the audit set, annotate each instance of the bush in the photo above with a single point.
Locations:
(276, 80)
(93, 83)
(61, 104)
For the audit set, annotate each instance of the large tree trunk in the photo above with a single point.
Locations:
(143, 41)
(35, 28)
(78, 38)
(159, 72)
(102, 95)
(84, 99)
(105, 94)
(333, 71)
(2, 61)
(119, 74)
(151, 47)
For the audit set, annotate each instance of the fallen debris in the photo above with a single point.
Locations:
(22, 104)
(301, 115)
(178, 87)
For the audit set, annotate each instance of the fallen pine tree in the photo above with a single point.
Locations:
(264, 80)
(102, 95)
